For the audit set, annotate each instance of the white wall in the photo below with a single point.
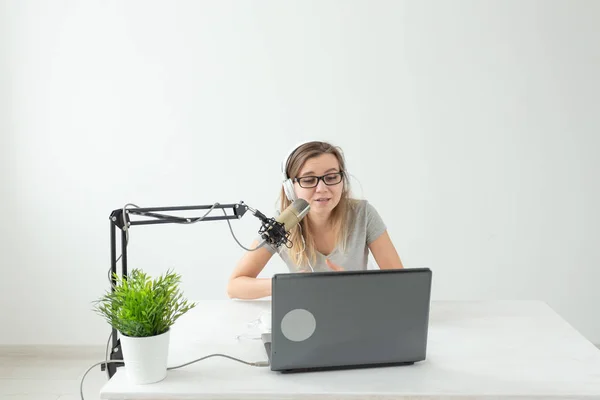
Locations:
(472, 127)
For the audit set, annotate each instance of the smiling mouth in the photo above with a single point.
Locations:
(324, 200)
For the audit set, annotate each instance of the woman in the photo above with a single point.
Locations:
(336, 234)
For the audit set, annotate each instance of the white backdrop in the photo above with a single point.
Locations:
(471, 126)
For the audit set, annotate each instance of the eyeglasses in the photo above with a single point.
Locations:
(308, 182)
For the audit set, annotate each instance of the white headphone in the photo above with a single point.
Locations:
(288, 184)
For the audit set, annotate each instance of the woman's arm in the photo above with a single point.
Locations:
(243, 283)
(385, 253)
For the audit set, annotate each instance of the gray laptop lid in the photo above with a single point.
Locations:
(349, 319)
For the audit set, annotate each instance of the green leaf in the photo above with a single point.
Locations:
(140, 306)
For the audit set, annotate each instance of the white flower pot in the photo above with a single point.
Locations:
(145, 358)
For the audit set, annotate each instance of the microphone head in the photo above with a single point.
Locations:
(293, 214)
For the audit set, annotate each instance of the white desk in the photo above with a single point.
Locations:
(476, 350)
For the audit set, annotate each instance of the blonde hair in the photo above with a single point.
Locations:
(303, 250)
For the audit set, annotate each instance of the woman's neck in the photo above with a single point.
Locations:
(319, 222)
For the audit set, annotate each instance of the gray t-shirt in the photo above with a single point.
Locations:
(365, 226)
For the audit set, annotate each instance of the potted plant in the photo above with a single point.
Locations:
(143, 310)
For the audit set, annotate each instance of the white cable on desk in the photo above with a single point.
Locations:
(250, 363)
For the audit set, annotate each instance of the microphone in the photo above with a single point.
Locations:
(276, 231)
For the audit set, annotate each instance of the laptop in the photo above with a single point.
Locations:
(349, 319)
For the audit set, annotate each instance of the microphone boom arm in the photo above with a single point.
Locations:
(119, 219)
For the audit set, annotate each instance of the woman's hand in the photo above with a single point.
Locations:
(333, 266)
